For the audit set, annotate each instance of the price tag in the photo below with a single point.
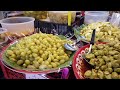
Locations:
(36, 76)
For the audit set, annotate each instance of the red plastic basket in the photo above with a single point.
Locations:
(80, 66)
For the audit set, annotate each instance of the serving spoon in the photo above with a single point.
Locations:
(91, 43)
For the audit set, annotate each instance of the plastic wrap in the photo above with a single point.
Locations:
(61, 17)
(95, 16)
(115, 19)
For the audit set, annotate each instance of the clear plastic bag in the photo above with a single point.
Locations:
(96, 16)
(115, 19)
(61, 17)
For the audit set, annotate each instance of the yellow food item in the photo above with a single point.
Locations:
(31, 52)
(106, 61)
(105, 32)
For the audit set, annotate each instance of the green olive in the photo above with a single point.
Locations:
(109, 76)
(102, 62)
(100, 74)
(92, 62)
(106, 58)
(24, 65)
(111, 58)
(116, 45)
(113, 52)
(49, 66)
(103, 67)
(43, 67)
(31, 67)
(94, 74)
(88, 73)
(111, 43)
(36, 64)
(115, 56)
(62, 61)
(115, 64)
(114, 75)
(27, 62)
(105, 52)
(109, 70)
(106, 73)
(100, 52)
(89, 56)
(100, 47)
(20, 62)
(117, 70)
(97, 67)
(96, 53)
(109, 65)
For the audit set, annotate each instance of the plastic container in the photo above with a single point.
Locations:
(60, 17)
(95, 16)
(18, 25)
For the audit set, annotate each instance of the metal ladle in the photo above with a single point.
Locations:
(71, 47)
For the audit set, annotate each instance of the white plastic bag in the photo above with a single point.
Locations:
(115, 19)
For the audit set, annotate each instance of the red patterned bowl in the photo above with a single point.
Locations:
(80, 66)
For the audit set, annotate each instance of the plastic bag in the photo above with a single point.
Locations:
(115, 19)
(61, 17)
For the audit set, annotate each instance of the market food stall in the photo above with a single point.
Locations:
(51, 45)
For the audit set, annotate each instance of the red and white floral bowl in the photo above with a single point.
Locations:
(80, 66)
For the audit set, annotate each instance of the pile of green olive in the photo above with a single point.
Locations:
(39, 51)
(105, 32)
(106, 60)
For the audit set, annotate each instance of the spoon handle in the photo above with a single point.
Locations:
(93, 37)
